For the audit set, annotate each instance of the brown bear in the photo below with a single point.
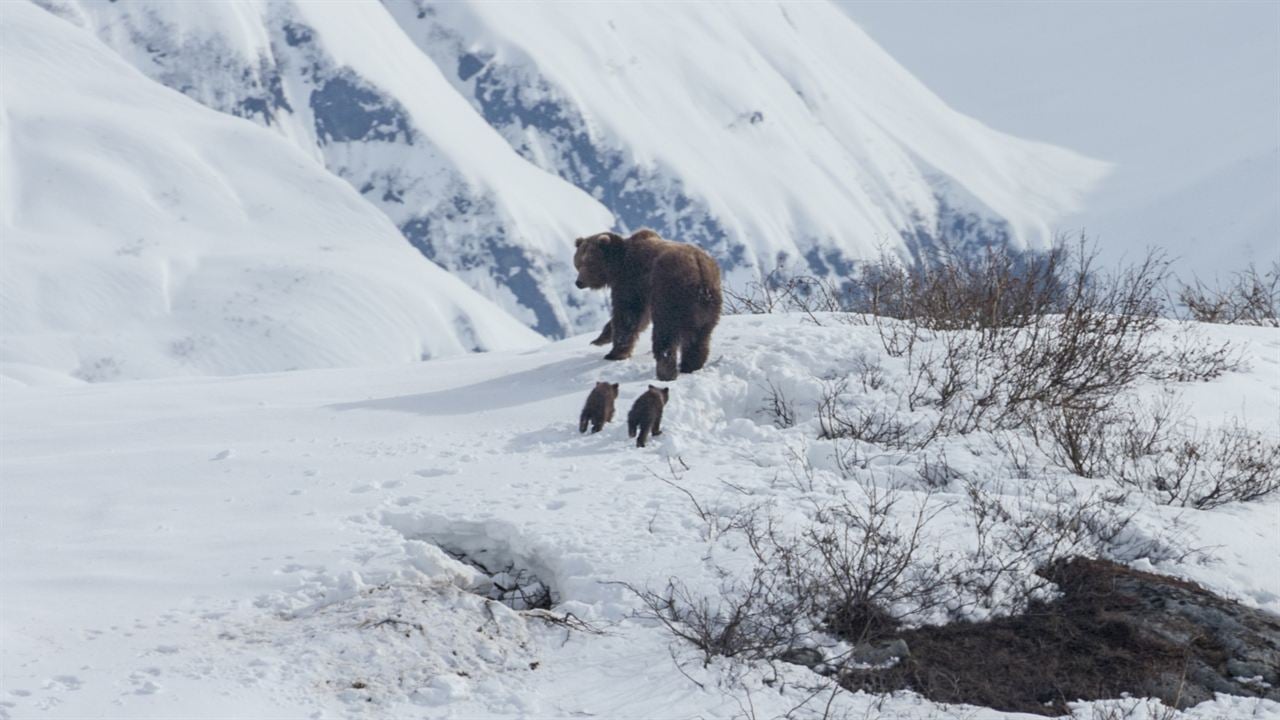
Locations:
(599, 407)
(645, 415)
(676, 285)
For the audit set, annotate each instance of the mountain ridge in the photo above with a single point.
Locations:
(763, 133)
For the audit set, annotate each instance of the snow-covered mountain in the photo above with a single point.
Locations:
(145, 235)
(760, 131)
(754, 129)
(342, 82)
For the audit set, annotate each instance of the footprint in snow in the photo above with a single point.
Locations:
(63, 683)
(222, 455)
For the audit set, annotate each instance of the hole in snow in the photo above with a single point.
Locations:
(516, 587)
(506, 569)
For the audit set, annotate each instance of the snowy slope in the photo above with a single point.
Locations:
(754, 129)
(342, 82)
(145, 235)
(271, 546)
(1215, 223)
(757, 130)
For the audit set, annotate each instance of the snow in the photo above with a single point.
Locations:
(279, 545)
(209, 536)
(145, 235)
(787, 120)
(344, 84)
(756, 130)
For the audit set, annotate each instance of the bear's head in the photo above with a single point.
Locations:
(664, 393)
(596, 257)
(607, 389)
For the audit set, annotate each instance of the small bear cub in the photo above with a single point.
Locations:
(599, 407)
(646, 414)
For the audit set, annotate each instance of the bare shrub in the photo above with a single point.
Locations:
(869, 373)
(991, 290)
(778, 406)
(1205, 469)
(1078, 438)
(1097, 345)
(781, 291)
(855, 571)
(1051, 521)
(836, 420)
(1248, 298)
(866, 574)
(1189, 356)
(1156, 449)
(991, 343)
(751, 620)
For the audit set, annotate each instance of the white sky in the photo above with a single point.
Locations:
(1184, 97)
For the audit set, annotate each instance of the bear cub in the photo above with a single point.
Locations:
(646, 414)
(599, 407)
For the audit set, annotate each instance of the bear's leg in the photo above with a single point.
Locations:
(583, 422)
(631, 428)
(606, 335)
(644, 436)
(657, 425)
(627, 324)
(695, 351)
(666, 341)
(597, 426)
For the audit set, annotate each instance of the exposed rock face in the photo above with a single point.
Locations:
(1114, 630)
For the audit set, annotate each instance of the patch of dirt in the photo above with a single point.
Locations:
(1113, 630)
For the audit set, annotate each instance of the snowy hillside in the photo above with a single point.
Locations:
(345, 85)
(145, 235)
(284, 552)
(755, 129)
(759, 131)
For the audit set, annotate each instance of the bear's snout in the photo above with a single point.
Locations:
(581, 285)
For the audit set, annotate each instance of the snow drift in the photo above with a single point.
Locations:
(145, 235)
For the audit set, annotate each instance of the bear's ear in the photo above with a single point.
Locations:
(615, 388)
(666, 393)
(578, 242)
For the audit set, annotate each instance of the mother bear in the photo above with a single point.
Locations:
(677, 285)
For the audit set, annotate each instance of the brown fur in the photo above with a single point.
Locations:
(645, 415)
(599, 407)
(674, 285)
